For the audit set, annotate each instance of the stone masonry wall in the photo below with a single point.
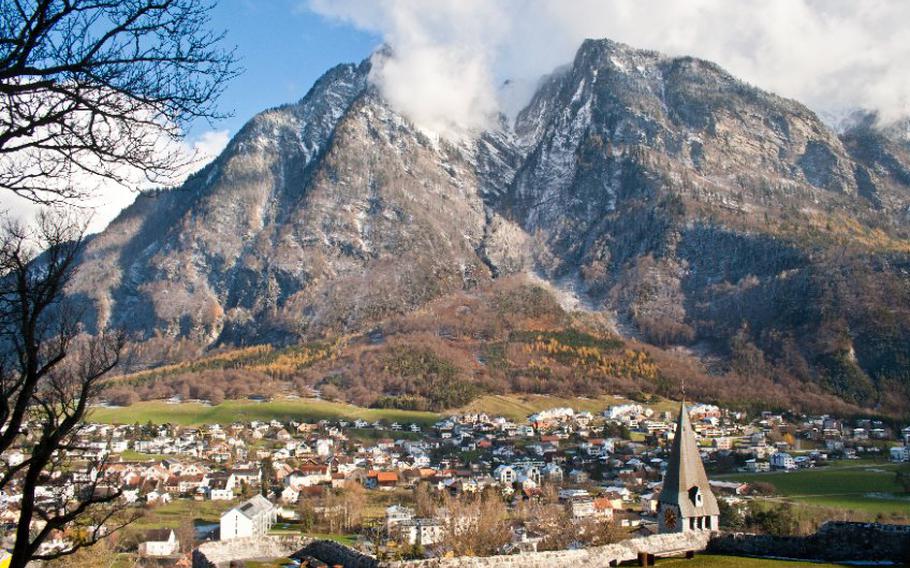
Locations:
(835, 541)
(218, 553)
(337, 554)
(610, 554)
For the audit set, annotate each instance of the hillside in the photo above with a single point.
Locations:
(704, 228)
(469, 351)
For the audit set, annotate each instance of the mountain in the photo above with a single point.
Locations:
(670, 202)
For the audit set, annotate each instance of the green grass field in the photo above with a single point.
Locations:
(133, 455)
(865, 487)
(515, 407)
(178, 511)
(308, 410)
(715, 561)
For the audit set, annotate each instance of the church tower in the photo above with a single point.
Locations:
(686, 502)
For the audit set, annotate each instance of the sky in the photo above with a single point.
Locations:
(451, 58)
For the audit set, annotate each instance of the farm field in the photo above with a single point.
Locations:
(173, 514)
(865, 487)
(514, 407)
(304, 409)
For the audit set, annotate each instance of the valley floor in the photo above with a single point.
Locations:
(311, 409)
(862, 486)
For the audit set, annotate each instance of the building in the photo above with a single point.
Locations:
(159, 542)
(420, 532)
(782, 460)
(686, 502)
(253, 517)
(395, 515)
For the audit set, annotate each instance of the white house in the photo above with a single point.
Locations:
(253, 517)
(160, 542)
(420, 532)
(397, 514)
(900, 453)
(782, 460)
(505, 474)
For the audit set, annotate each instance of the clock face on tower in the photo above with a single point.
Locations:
(669, 518)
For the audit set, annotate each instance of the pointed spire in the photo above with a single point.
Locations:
(686, 483)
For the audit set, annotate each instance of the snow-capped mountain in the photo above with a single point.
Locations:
(693, 208)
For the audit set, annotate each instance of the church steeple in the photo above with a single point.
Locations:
(686, 501)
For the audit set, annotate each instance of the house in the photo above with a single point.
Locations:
(253, 517)
(420, 532)
(900, 453)
(246, 476)
(505, 474)
(648, 503)
(382, 479)
(397, 514)
(159, 542)
(581, 508)
(220, 487)
(290, 495)
(603, 508)
(308, 475)
(782, 460)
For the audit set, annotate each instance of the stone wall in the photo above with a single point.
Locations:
(337, 554)
(835, 541)
(220, 553)
(610, 554)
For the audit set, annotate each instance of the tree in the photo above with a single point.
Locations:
(343, 511)
(476, 526)
(424, 501)
(100, 556)
(777, 520)
(186, 534)
(902, 477)
(306, 514)
(731, 516)
(96, 86)
(268, 477)
(49, 373)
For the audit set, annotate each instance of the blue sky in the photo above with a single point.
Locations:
(284, 48)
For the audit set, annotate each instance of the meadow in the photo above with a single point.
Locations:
(862, 486)
(304, 409)
(514, 407)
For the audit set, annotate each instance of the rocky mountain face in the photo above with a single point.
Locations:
(693, 209)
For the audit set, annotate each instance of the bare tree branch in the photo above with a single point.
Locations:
(95, 87)
(49, 373)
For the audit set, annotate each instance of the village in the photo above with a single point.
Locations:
(561, 477)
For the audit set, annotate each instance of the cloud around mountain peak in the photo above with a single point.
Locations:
(450, 58)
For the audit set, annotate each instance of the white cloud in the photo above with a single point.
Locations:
(450, 55)
(106, 198)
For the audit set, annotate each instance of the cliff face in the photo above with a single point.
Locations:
(696, 209)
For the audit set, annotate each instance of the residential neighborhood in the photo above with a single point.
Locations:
(401, 481)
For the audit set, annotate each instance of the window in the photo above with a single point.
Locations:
(695, 496)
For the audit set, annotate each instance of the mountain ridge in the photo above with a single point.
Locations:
(685, 205)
